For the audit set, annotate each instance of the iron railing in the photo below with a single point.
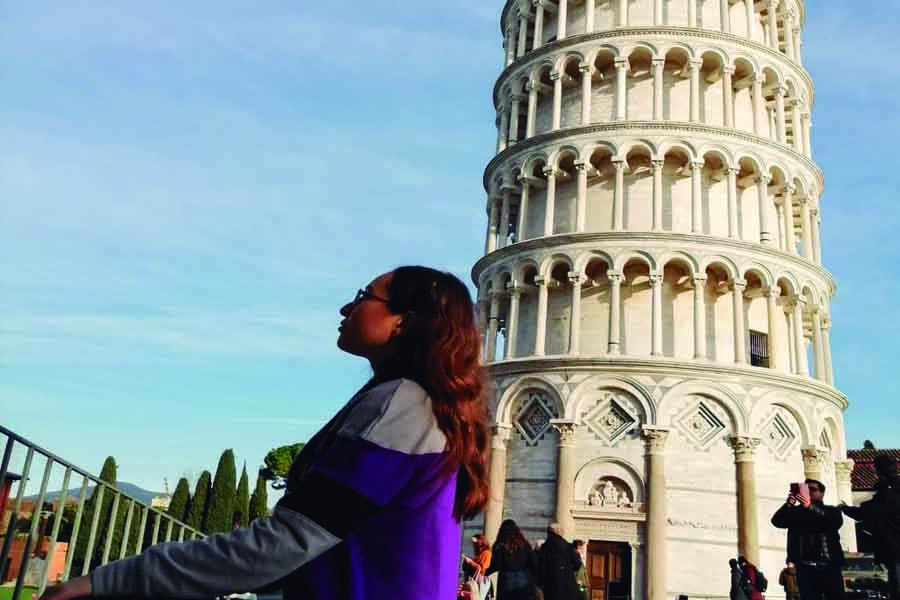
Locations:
(23, 537)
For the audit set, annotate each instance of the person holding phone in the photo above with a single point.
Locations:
(814, 542)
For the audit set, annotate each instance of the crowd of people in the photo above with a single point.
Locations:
(552, 569)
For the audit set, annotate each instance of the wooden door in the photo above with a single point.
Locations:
(607, 571)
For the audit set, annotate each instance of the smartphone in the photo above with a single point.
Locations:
(800, 489)
(795, 489)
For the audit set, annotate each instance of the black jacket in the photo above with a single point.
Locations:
(804, 525)
(881, 516)
(557, 564)
(516, 572)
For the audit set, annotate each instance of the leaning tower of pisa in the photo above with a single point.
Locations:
(655, 311)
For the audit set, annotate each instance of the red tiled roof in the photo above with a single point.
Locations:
(863, 477)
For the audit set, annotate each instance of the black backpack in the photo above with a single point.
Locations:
(762, 584)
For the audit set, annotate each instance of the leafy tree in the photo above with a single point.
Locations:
(278, 461)
(221, 500)
(868, 445)
(242, 501)
(179, 504)
(259, 501)
(200, 503)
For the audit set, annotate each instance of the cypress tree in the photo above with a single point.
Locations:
(242, 501)
(221, 500)
(200, 503)
(259, 502)
(178, 505)
(108, 474)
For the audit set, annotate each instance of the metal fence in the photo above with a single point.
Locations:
(28, 545)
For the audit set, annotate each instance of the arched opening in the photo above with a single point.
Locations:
(776, 194)
(638, 196)
(521, 125)
(742, 82)
(770, 87)
(566, 194)
(710, 15)
(544, 86)
(601, 190)
(677, 86)
(559, 309)
(503, 317)
(640, 85)
(675, 12)
(677, 191)
(527, 327)
(603, 92)
(636, 309)
(719, 314)
(595, 307)
(677, 310)
(605, 14)
(537, 203)
(640, 13)
(571, 92)
(786, 362)
(715, 193)
(748, 180)
(756, 321)
(712, 97)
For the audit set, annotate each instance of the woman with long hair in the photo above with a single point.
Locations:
(375, 500)
(514, 561)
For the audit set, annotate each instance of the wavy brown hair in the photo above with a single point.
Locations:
(440, 350)
(510, 537)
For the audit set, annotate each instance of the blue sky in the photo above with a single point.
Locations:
(189, 191)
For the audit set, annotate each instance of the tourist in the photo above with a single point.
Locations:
(581, 575)
(557, 564)
(740, 588)
(788, 580)
(476, 566)
(375, 500)
(756, 581)
(514, 562)
(881, 517)
(813, 542)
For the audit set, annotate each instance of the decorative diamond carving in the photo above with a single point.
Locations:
(778, 436)
(610, 419)
(701, 425)
(533, 421)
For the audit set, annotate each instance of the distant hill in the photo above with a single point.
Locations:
(132, 490)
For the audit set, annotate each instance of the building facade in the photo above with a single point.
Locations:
(653, 303)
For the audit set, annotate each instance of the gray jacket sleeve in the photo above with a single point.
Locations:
(240, 561)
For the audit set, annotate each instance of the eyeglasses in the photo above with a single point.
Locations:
(363, 295)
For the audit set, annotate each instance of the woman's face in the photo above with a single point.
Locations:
(368, 325)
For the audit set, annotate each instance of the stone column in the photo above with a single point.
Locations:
(748, 526)
(521, 49)
(550, 210)
(658, 12)
(692, 13)
(659, 65)
(806, 229)
(826, 342)
(615, 311)
(622, 17)
(843, 469)
(509, 45)
(772, 294)
(556, 78)
(504, 219)
(513, 136)
(656, 167)
(523, 209)
(770, 116)
(780, 116)
(797, 121)
(655, 443)
(538, 25)
(697, 196)
(493, 221)
(807, 134)
(531, 118)
(575, 321)
(751, 17)
(725, 12)
(733, 229)
(565, 479)
(589, 16)
(512, 320)
(562, 18)
(740, 344)
(780, 217)
(816, 237)
(587, 74)
(812, 463)
(621, 89)
(773, 25)
(790, 236)
(799, 339)
(789, 35)
(759, 109)
(762, 188)
(581, 167)
(540, 335)
(656, 281)
(503, 132)
(728, 95)
(695, 90)
(493, 323)
(493, 512)
(700, 317)
(619, 196)
(818, 345)
(483, 309)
